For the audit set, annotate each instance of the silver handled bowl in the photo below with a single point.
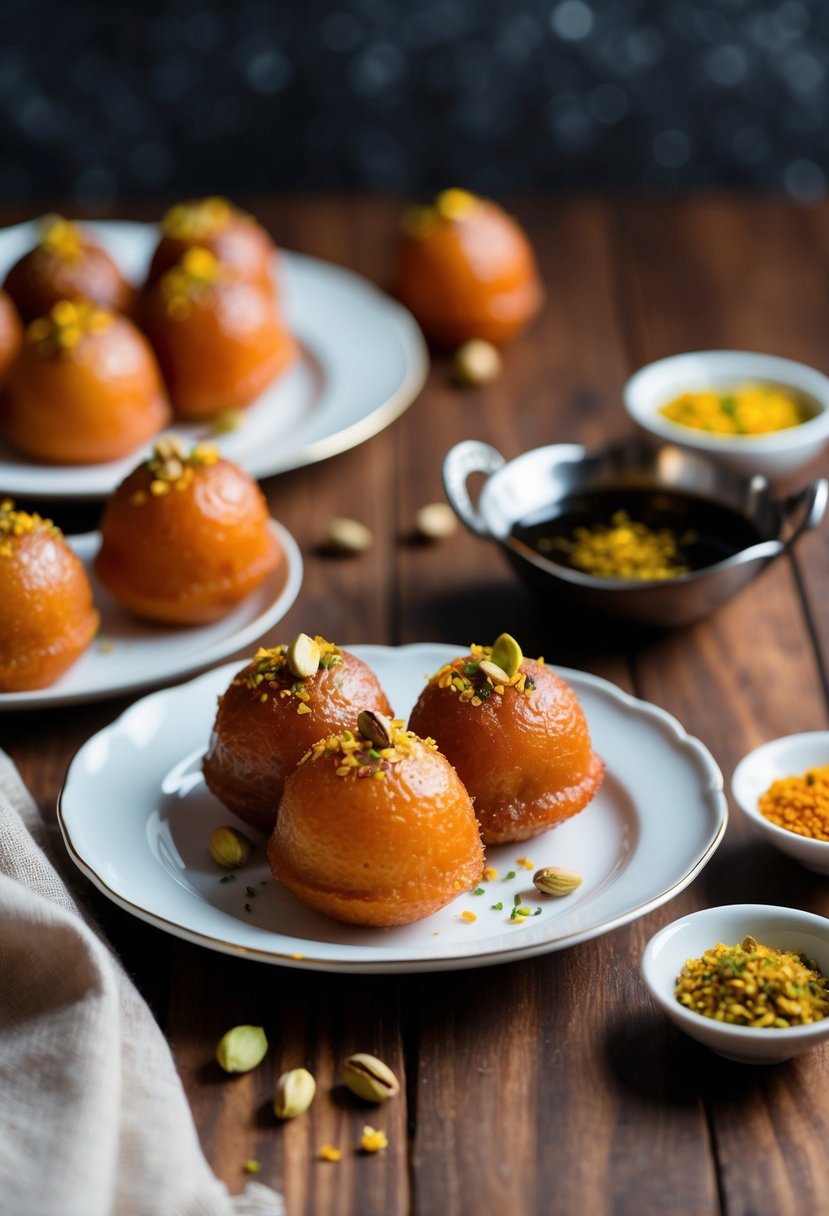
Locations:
(536, 486)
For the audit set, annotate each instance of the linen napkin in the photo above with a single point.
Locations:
(93, 1118)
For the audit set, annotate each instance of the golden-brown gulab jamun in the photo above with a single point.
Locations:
(66, 264)
(276, 707)
(185, 538)
(47, 618)
(218, 338)
(375, 827)
(234, 238)
(466, 270)
(516, 734)
(85, 387)
(11, 335)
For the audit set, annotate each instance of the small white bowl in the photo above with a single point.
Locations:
(781, 928)
(787, 757)
(772, 455)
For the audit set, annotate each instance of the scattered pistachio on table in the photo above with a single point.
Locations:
(295, 1092)
(435, 521)
(556, 880)
(348, 535)
(242, 1048)
(477, 362)
(373, 1140)
(369, 1078)
(229, 847)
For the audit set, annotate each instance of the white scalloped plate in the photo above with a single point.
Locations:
(136, 816)
(128, 655)
(363, 361)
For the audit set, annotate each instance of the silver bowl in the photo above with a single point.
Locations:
(521, 491)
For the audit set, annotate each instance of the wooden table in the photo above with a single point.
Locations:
(549, 1086)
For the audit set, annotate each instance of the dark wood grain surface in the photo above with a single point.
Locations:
(554, 1085)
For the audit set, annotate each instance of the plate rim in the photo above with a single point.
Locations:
(47, 698)
(703, 760)
(323, 448)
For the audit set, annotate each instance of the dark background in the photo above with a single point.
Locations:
(100, 100)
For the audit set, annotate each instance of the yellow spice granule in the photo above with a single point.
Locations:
(373, 1140)
(746, 409)
(197, 220)
(61, 237)
(754, 985)
(490, 873)
(66, 324)
(14, 524)
(799, 804)
(624, 549)
(469, 917)
(329, 1153)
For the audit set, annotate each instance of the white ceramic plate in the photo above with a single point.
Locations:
(363, 361)
(136, 817)
(128, 654)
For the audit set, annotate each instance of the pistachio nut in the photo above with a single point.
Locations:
(506, 654)
(348, 535)
(375, 726)
(369, 1078)
(303, 656)
(555, 880)
(496, 674)
(242, 1048)
(294, 1093)
(229, 847)
(477, 362)
(435, 521)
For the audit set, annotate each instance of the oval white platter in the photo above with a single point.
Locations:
(136, 817)
(127, 654)
(362, 362)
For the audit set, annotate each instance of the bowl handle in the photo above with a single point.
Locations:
(811, 501)
(459, 464)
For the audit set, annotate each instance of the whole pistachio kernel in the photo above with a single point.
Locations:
(348, 535)
(295, 1092)
(242, 1048)
(375, 726)
(506, 654)
(435, 521)
(369, 1078)
(556, 880)
(229, 847)
(493, 671)
(476, 362)
(303, 656)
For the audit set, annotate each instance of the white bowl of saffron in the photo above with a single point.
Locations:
(726, 373)
(800, 802)
(692, 937)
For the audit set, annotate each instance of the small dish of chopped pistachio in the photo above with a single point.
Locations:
(750, 981)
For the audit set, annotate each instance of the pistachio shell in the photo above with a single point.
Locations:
(348, 535)
(556, 880)
(295, 1092)
(369, 1078)
(436, 521)
(375, 726)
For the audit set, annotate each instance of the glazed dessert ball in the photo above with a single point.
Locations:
(85, 387)
(516, 734)
(11, 335)
(375, 827)
(47, 618)
(219, 339)
(234, 238)
(466, 270)
(272, 713)
(66, 264)
(185, 538)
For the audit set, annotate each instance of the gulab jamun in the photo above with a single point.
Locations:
(466, 270)
(375, 827)
(184, 538)
(219, 339)
(11, 335)
(66, 264)
(85, 387)
(517, 735)
(234, 238)
(276, 707)
(47, 618)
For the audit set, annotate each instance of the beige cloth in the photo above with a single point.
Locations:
(93, 1117)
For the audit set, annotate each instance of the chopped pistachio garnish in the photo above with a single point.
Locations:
(171, 468)
(66, 324)
(19, 523)
(197, 220)
(455, 204)
(270, 674)
(355, 755)
(475, 684)
(59, 236)
(190, 278)
(252, 1167)
(329, 1153)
